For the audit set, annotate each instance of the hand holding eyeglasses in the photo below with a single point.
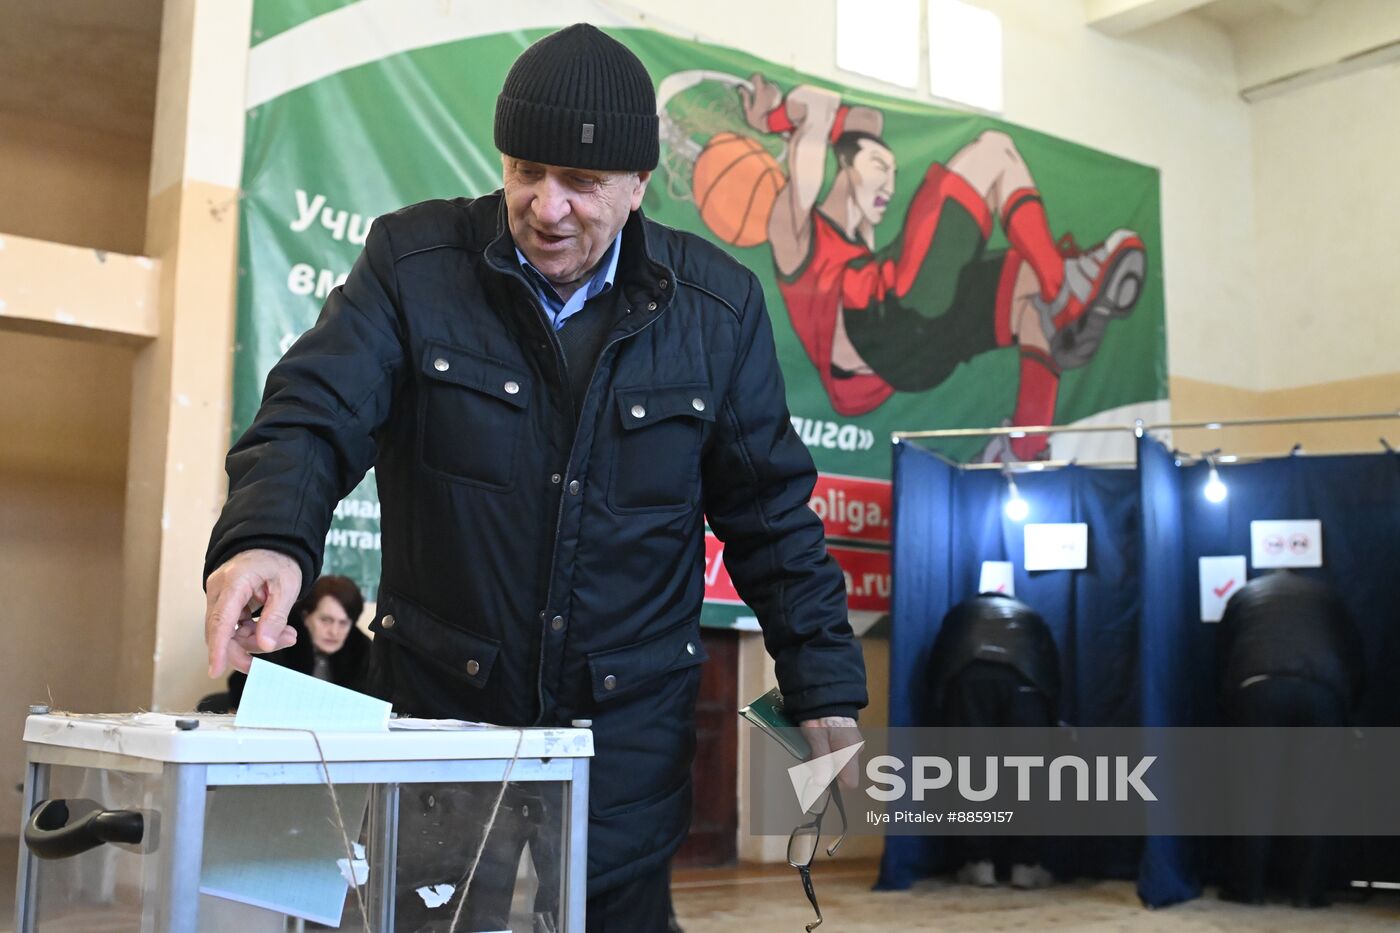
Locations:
(824, 735)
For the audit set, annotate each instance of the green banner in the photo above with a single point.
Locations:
(899, 300)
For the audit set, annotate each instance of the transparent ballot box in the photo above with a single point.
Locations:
(150, 822)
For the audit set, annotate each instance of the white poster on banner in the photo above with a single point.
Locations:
(1286, 543)
(998, 576)
(1057, 547)
(1221, 577)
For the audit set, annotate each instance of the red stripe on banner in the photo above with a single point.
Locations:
(867, 576)
(718, 587)
(853, 508)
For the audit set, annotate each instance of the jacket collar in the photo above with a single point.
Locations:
(642, 279)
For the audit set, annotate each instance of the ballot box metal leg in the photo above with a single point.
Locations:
(181, 847)
(36, 788)
(384, 855)
(575, 894)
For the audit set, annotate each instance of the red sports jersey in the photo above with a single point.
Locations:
(816, 295)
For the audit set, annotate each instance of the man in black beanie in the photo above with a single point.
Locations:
(556, 394)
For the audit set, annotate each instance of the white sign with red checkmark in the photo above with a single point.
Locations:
(1221, 577)
(998, 576)
(1286, 544)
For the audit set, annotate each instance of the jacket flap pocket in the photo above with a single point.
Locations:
(646, 405)
(619, 671)
(444, 363)
(462, 653)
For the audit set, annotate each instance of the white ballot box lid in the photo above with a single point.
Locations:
(206, 738)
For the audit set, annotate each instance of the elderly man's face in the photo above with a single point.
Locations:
(564, 219)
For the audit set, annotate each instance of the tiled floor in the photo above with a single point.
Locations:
(760, 900)
(769, 899)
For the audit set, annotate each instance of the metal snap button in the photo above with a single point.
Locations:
(386, 622)
(698, 404)
(651, 306)
(556, 623)
(664, 283)
(574, 488)
(610, 682)
(473, 668)
(689, 647)
(512, 387)
(638, 411)
(555, 478)
(441, 365)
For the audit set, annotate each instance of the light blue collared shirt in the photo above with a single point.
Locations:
(557, 308)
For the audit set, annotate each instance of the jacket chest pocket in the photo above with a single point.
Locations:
(656, 465)
(471, 417)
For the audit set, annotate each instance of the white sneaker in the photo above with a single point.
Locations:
(1101, 284)
(978, 874)
(1030, 877)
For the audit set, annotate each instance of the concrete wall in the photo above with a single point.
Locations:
(1327, 196)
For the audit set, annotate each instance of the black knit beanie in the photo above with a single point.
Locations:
(581, 99)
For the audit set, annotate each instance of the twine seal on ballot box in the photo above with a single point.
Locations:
(486, 833)
(349, 848)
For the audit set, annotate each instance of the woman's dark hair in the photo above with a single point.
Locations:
(342, 589)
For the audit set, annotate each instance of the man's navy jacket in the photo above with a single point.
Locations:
(540, 567)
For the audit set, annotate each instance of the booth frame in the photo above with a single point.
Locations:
(1137, 429)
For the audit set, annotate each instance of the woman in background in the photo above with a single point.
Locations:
(328, 647)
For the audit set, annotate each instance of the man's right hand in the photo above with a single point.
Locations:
(249, 581)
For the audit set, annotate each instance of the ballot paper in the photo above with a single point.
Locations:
(276, 697)
(410, 724)
(280, 847)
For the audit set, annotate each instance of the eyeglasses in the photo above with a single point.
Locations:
(805, 841)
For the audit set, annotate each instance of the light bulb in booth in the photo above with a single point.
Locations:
(1016, 508)
(1215, 490)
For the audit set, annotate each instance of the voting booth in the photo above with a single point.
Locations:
(155, 822)
(1131, 564)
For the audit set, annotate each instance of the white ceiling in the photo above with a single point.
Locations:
(1242, 14)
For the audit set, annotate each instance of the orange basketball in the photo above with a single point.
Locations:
(735, 183)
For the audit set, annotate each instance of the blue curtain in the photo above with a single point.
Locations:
(947, 521)
(1166, 874)
(1357, 499)
(921, 532)
(1132, 647)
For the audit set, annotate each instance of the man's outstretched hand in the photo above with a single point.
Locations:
(249, 581)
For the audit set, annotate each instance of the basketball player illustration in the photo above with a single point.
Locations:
(902, 319)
